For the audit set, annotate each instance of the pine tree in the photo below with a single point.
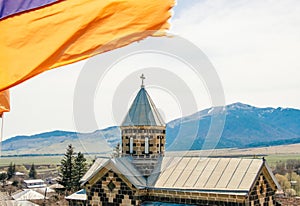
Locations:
(11, 170)
(32, 172)
(80, 168)
(67, 167)
(14, 169)
(3, 178)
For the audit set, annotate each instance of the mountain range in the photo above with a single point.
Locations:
(234, 126)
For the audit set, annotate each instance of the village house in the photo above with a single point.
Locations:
(77, 199)
(144, 173)
(37, 183)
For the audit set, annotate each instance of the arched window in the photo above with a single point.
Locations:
(159, 142)
(131, 145)
(146, 145)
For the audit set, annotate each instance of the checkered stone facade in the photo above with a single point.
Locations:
(263, 192)
(111, 190)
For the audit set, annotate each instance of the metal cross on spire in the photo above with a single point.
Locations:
(142, 78)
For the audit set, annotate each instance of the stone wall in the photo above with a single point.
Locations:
(124, 196)
(111, 190)
(76, 202)
(195, 198)
(130, 197)
(263, 191)
(155, 135)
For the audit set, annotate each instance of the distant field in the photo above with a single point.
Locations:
(282, 150)
(272, 154)
(273, 159)
(37, 160)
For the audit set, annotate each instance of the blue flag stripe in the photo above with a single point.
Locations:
(11, 7)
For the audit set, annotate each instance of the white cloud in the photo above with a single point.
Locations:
(254, 46)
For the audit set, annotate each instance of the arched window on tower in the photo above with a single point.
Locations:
(146, 145)
(159, 142)
(131, 145)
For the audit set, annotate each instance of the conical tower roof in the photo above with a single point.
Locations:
(143, 111)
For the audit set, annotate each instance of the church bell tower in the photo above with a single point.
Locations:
(143, 130)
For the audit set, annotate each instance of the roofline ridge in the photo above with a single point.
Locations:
(160, 119)
(141, 104)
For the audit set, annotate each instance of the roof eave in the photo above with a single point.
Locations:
(221, 191)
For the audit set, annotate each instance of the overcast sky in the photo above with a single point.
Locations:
(254, 46)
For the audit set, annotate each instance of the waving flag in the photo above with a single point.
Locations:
(11, 7)
(38, 35)
(4, 102)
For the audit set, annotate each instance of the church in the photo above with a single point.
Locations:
(146, 174)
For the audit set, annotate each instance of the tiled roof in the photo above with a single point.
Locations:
(143, 112)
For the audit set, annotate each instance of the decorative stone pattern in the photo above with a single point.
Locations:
(156, 140)
(262, 193)
(195, 198)
(111, 190)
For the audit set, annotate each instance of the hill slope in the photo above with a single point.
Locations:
(245, 126)
(55, 142)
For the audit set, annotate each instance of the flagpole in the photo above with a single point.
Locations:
(1, 132)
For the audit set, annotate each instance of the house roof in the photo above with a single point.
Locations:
(120, 165)
(79, 195)
(34, 181)
(210, 175)
(224, 174)
(56, 186)
(97, 165)
(28, 195)
(19, 174)
(15, 202)
(127, 169)
(143, 112)
(218, 175)
(42, 190)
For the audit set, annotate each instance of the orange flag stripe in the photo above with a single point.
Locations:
(72, 30)
(4, 102)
